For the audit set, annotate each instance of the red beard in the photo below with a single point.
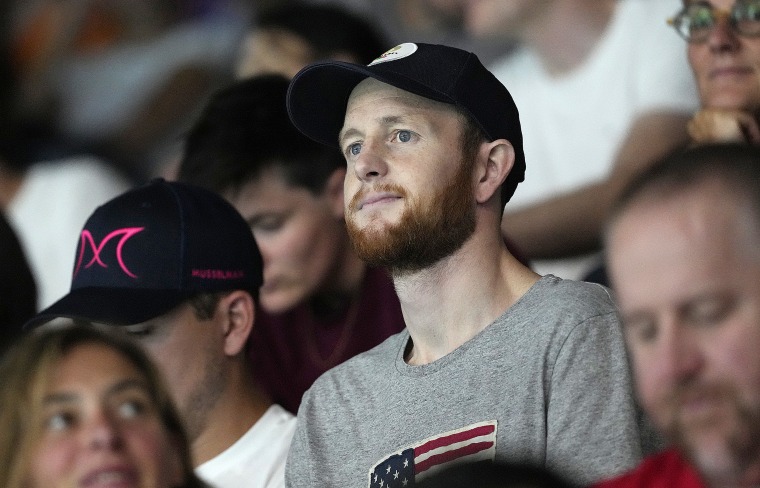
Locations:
(427, 231)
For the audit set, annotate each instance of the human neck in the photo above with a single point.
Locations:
(569, 32)
(239, 407)
(449, 303)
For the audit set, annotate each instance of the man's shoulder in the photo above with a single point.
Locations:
(667, 469)
(578, 297)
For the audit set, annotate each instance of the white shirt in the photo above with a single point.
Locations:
(573, 124)
(48, 213)
(256, 460)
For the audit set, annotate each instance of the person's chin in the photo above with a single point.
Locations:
(278, 301)
(707, 439)
(713, 457)
(375, 220)
(732, 97)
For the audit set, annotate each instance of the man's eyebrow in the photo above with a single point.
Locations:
(392, 119)
(345, 134)
(386, 121)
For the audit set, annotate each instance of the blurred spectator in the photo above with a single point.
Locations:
(47, 208)
(430, 21)
(120, 78)
(46, 202)
(288, 38)
(17, 288)
(683, 252)
(603, 90)
(178, 268)
(17, 284)
(321, 303)
(725, 58)
(64, 423)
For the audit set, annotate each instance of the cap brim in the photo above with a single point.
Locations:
(318, 95)
(110, 306)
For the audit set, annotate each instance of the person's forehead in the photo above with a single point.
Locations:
(703, 207)
(114, 365)
(375, 102)
(646, 264)
(700, 221)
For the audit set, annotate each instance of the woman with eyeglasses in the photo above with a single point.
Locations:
(724, 53)
(80, 407)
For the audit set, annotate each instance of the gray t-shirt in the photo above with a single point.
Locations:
(547, 382)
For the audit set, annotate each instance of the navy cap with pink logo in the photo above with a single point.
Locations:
(318, 94)
(146, 251)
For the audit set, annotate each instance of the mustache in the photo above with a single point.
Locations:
(694, 392)
(691, 391)
(379, 188)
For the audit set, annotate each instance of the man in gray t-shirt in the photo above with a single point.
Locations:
(497, 363)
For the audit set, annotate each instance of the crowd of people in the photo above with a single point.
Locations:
(301, 250)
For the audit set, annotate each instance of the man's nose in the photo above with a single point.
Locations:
(370, 162)
(680, 356)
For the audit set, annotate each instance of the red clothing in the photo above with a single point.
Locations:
(663, 470)
(289, 351)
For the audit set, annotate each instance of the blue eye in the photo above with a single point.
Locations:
(354, 149)
(404, 136)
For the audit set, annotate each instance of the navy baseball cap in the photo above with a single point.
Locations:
(318, 94)
(146, 251)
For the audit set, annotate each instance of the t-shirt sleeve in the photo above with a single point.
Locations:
(592, 429)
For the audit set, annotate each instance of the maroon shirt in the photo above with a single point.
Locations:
(664, 470)
(289, 351)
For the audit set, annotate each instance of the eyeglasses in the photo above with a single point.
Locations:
(696, 20)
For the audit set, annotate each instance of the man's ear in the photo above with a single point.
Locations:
(238, 311)
(495, 161)
(334, 192)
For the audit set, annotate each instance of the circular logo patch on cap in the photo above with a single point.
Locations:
(398, 52)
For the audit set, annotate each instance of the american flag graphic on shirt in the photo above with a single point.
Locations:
(476, 442)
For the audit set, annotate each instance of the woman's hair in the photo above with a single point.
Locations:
(25, 375)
